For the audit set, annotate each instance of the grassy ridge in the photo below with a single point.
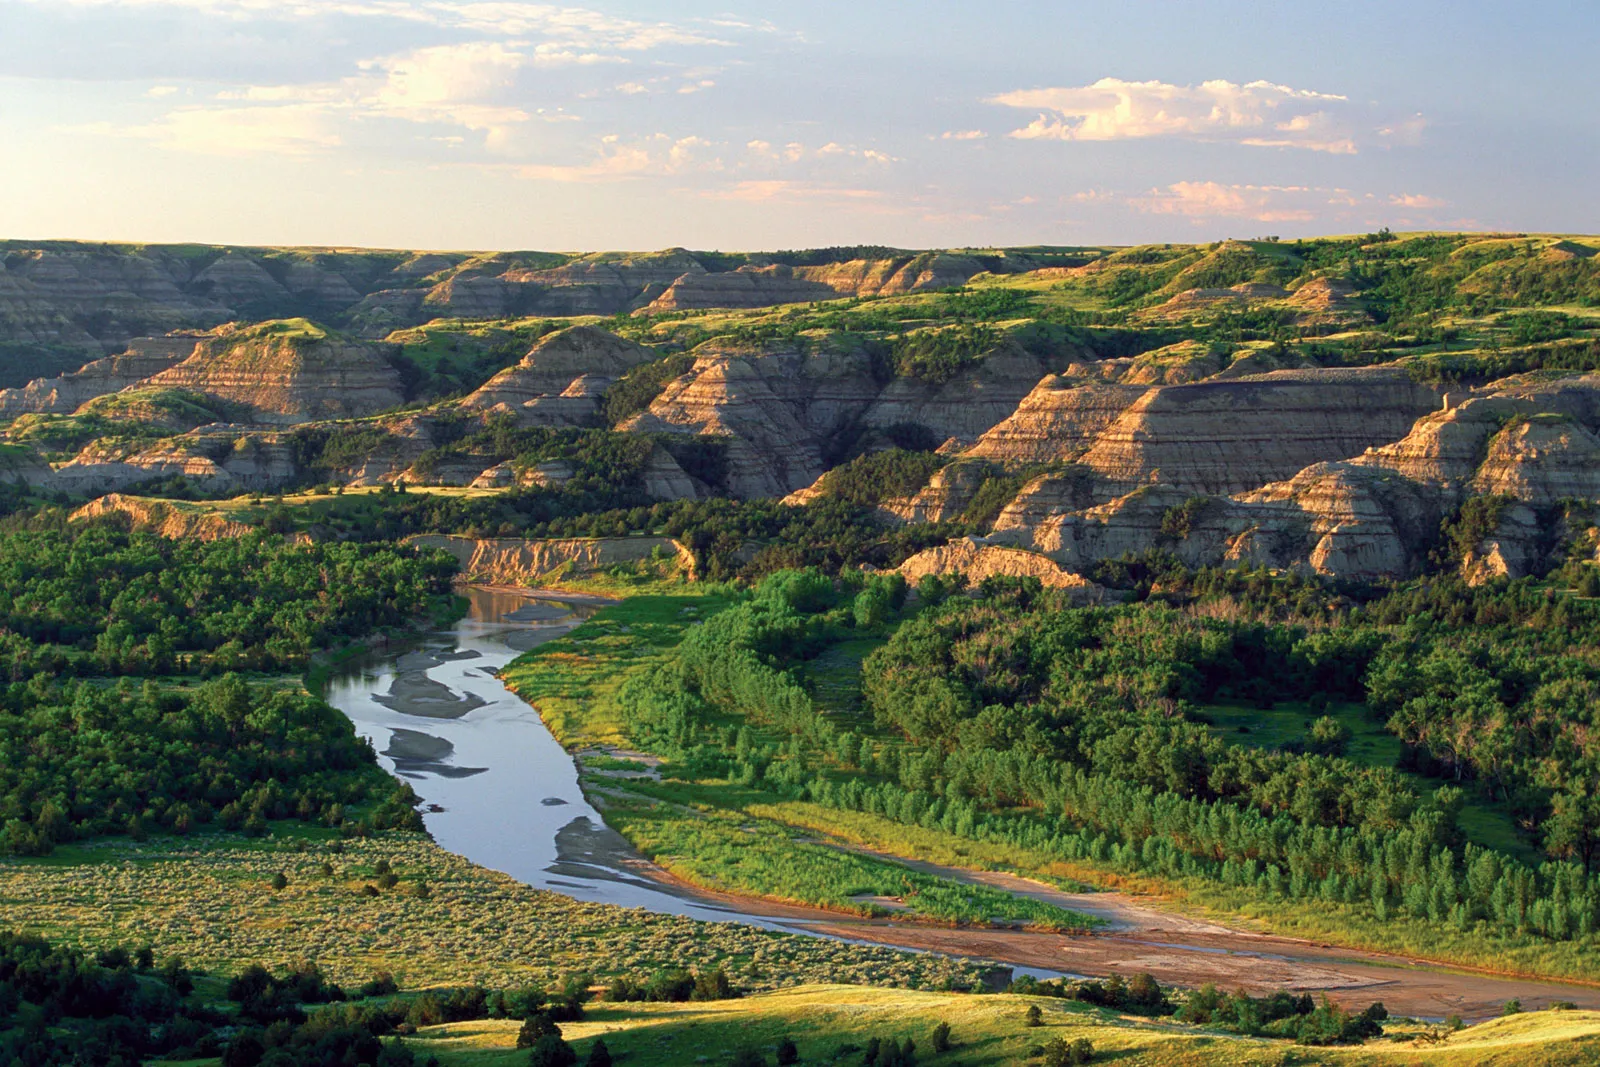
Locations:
(573, 681)
(987, 1030)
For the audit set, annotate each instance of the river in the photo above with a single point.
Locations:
(496, 786)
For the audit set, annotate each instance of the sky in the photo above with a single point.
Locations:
(641, 124)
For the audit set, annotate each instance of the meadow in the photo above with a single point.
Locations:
(211, 901)
(832, 1024)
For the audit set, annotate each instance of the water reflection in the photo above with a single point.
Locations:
(497, 786)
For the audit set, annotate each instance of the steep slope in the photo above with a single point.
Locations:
(1223, 437)
(755, 286)
(1059, 420)
(96, 299)
(145, 358)
(288, 372)
(218, 458)
(561, 379)
(759, 398)
(784, 403)
(967, 406)
(164, 517)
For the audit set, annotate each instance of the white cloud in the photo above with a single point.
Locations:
(616, 159)
(1263, 203)
(766, 191)
(1407, 132)
(157, 92)
(284, 130)
(1200, 201)
(1258, 113)
(1418, 201)
(429, 81)
(471, 86)
(962, 135)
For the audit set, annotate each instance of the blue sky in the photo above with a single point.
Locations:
(637, 124)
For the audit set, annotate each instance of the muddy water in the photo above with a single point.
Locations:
(497, 788)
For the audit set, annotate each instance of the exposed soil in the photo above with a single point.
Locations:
(1176, 950)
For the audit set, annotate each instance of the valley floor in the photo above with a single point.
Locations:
(1173, 948)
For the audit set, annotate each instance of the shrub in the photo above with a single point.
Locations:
(551, 1051)
(536, 1026)
(1061, 1053)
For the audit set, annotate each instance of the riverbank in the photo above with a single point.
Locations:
(573, 683)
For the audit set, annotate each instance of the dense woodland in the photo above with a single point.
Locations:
(86, 750)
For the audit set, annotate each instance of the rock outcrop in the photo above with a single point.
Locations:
(96, 298)
(1515, 435)
(1541, 460)
(145, 357)
(218, 458)
(165, 518)
(173, 410)
(1342, 520)
(949, 492)
(1510, 551)
(755, 286)
(1224, 437)
(967, 406)
(747, 287)
(561, 379)
(1336, 519)
(1059, 420)
(665, 479)
(776, 403)
(782, 404)
(289, 372)
(526, 562)
(977, 561)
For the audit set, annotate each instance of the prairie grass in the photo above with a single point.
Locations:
(700, 833)
(210, 902)
(823, 1020)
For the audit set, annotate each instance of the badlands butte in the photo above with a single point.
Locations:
(1361, 408)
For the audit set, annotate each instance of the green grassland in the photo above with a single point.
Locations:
(573, 681)
(707, 833)
(825, 1022)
